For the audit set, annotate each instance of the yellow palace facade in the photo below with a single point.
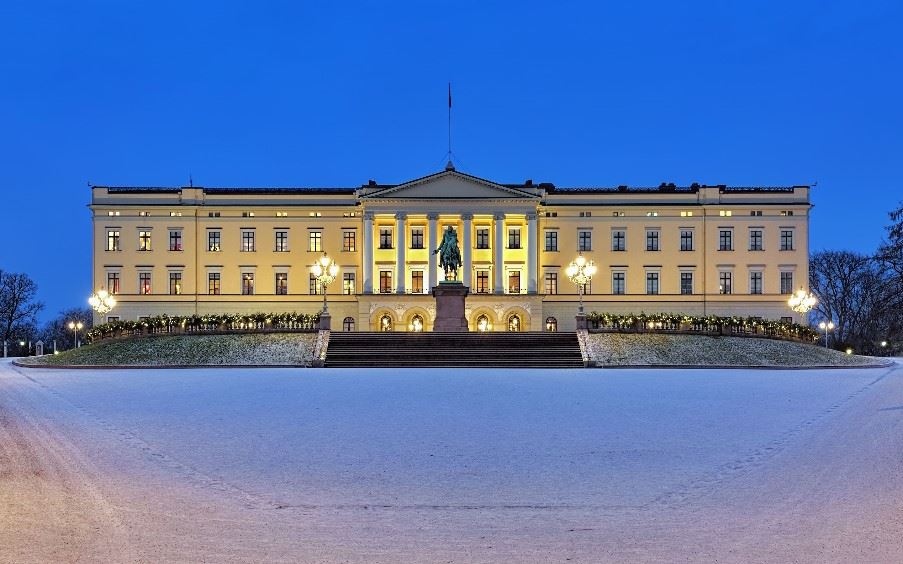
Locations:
(697, 250)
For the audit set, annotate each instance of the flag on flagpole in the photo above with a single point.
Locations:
(449, 94)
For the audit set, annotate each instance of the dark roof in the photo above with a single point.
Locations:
(667, 188)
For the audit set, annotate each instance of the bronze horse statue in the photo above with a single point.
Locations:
(449, 254)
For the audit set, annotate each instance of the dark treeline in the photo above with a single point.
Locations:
(862, 294)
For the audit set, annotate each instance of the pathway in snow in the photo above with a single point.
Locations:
(451, 466)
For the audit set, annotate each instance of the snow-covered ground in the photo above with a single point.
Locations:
(339, 465)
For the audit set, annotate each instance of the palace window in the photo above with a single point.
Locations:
(726, 240)
(281, 214)
(116, 213)
(175, 240)
(551, 324)
(652, 240)
(281, 283)
(755, 239)
(247, 241)
(652, 283)
(385, 281)
(551, 240)
(755, 282)
(214, 240)
(113, 282)
(313, 285)
(213, 214)
(786, 282)
(175, 214)
(618, 283)
(144, 240)
(144, 283)
(282, 241)
(416, 324)
(482, 282)
(584, 240)
(756, 213)
(514, 282)
(175, 283)
(213, 283)
(686, 214)
(247, 283)
(686, 240)
(315, 241)
(315, 214)
(482, 237)
(652, 214)
(483, 324)
(551, 283)
(247, 214)
(586, 214)
(686, 283)
(617, 214)
(113, 241)
(618, 240)
(348, 285)
(417, 237)
(348, 241)
(385, 237)
(725, 213)
(385, 323)
(514, 323)
(587, 288)
(349, 214)
(724, 283)
(514, 237)
(348, 324)
(786, 239)
(417, 282)
(786, 212)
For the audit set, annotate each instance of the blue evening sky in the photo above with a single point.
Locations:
(300, 94)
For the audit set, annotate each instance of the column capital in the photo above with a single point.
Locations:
(531, 217)
(368, 216)
(498, 216)
(401, 215)
(467, 216)
(432, 216)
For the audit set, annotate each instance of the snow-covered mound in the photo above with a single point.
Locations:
(647, 349)
(268, 349)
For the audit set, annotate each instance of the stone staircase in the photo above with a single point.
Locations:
(511, 350)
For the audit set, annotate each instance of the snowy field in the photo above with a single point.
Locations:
(341, 465)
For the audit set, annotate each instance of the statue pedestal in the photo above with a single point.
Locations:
(450, 306)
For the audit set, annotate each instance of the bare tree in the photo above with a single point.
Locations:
(891, 251)
(18, 307)
(58, 329)
(861, 296)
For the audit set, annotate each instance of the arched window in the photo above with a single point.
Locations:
(483, 324)
(514, 323)
(416, 324)
(348, 324)
(551, 324)
(385, 323)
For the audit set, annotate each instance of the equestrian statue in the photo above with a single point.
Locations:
(449, 254)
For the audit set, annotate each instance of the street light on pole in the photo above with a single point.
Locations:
(826, 327)
(76, 326)
(580, 272)
(102, 301)
(325, 271)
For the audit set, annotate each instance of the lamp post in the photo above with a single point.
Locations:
(324, 270)
(802, 301)
(102, 301)
(76, 326)
(580, 272)
(826, 327)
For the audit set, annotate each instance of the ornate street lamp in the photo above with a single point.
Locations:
(102, 301)
(827, 328)
(76, 326)
(325, 270)
(580, 272)
(802, 301)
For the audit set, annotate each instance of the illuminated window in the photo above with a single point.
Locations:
(551, 324)
(214, 239)
(175, 283)
(113, 282)
(725, 213)
(282, 241)
(514, 323)
(144, 283)
(113, 241)
(175, 240)
(281, 283)
(144, 240)
(213, 283)
(247, 283)
(348, 324)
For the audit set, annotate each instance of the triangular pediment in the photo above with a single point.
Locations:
(450, 185)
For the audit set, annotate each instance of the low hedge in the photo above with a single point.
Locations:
(204, 323)
(700, 324)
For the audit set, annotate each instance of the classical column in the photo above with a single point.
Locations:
(498, 263)
(368, 252)
(532, 239)
(431, 275)
(400, 273)
(468, 245)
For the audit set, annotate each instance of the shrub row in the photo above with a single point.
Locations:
(204, 324)
(700, 324)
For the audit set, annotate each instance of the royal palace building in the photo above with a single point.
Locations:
(697, 250)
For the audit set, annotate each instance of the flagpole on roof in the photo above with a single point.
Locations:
(449, 165)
